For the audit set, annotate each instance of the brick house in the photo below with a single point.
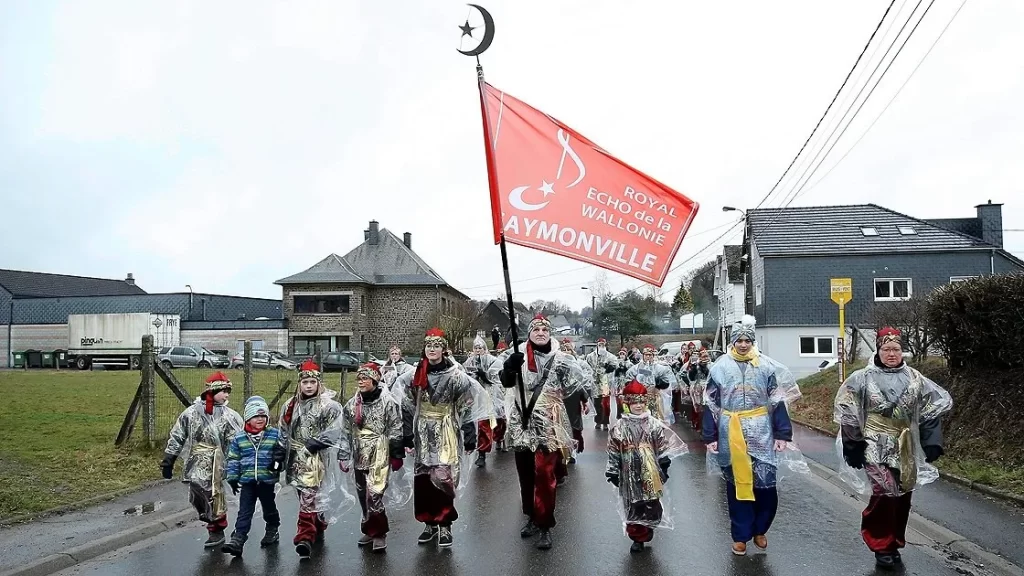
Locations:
(889, 256)
(379, 294)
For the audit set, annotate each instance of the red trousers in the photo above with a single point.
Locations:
(537, 483)
(218, 525)
(374, 523)
(311, 525)
(487, 436)
(432, 505)
(883, 523)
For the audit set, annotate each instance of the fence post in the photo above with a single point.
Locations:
(247, 368)
(149, 392)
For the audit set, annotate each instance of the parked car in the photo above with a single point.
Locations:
(340, 362)
(191, 357)
(358, 354)
(671, 349)
(264, 359)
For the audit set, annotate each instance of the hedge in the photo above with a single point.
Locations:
(980, 323)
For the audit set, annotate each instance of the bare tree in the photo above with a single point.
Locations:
(911, 318)
(599, 286)
(457, 323)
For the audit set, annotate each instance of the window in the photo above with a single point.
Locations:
(308, 346)
(758, 295)
(817, 346)
(956, 279)
(326, 304)
(893, 289)
(907, 230)
(362, 304)
(868, 231)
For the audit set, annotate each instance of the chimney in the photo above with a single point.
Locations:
(407, 240)
(366, 235)
(373, 234)
(990, 217)
(130, 280)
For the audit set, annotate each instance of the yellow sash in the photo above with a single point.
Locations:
(742, 468)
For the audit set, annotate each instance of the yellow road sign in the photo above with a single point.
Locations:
(842, 290)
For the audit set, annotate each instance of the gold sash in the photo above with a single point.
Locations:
(307, 469)
(379, 461)
(878, 425)
(441, 414)
(218, 501)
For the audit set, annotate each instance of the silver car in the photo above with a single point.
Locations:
(261, 359)
(191, 357)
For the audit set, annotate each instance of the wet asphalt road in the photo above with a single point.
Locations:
(816, 533)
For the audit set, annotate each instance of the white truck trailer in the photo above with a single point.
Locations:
(116, 339)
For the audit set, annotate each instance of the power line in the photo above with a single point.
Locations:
(893, 99)
(843, 85)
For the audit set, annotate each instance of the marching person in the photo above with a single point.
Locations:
(254, 462)
(394, 367)
(371, 448)
(620, 379)
(604, 364)
(485, 368)
(540, 430)
(746, 425)
(311, 421)
(890, 429)
(441, 407)
(640, 451)
(657, 378)
(208, 426)
(576, 404)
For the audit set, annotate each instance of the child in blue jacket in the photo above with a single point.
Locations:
(253, 466)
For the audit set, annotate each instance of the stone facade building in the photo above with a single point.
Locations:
(379, 294)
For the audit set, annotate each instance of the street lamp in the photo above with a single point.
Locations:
(593, 305)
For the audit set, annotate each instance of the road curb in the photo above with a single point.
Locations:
(955, 479)
(12, 520)
(72, 556)
(931, 530)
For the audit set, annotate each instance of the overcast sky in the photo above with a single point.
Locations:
(229, 144)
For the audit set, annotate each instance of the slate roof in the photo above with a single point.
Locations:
(733, 259)
(388, 263)
(823, 230)
(23, 284)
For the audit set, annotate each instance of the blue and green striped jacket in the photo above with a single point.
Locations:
(249, 463)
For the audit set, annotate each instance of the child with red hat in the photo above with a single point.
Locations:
(640, 451)
(208, 426)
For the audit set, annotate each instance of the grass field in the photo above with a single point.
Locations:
(972, 462)
(57, 432)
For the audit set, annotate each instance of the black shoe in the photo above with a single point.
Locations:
(364, 540)
(234, 547)
(428, 534)
(304, 549)
(544, 543)
(270, 537)
(444, 537)
(897, 558)
(637, 547)
(885, 560)
(529, 530)
(572, 459)
(481, 460)
(215, 539)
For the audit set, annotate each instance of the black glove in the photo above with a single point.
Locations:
(514, 363)
(661, 384)
(469, 437)
(234, 486)
(664, 462)
(408, 442)
(314, 445)
(612, 478)
(853, 453)
(481, 377)
(280, 454)
(933, 453)
(609, 368)
(167, 466)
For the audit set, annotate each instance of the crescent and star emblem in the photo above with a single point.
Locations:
(488, 37)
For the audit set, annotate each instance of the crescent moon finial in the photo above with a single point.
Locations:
(488, 37)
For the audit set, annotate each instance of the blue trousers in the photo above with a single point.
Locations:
(248, 495)
(751, 519)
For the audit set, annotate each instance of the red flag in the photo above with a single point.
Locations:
(554, 190)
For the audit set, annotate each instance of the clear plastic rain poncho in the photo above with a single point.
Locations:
(557, 376)
(484, 368)
(743, 398)
(371, 435)
(442, 419)
(893, 410)
(316, 477)
(636, 443)
(599, 361)
(201, 440)
(659, 381)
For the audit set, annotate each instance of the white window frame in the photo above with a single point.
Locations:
(955, 279)
(910, 289)
(869, 231)
(817, 338)
(758, 295)
(906, 230)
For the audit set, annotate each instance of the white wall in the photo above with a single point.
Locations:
(273, 338)
(783, 345)
(5, 357)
